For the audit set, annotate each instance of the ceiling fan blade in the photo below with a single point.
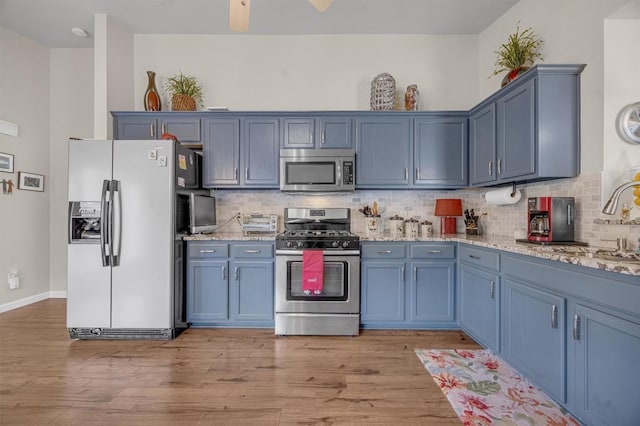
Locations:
(321, 5)
(239, 15)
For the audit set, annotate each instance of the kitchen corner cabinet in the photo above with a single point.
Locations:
(529, 130)
(479, 294)
(321, 132)
(146, 125)
(407, 285)
(241, 152)
(230, 285)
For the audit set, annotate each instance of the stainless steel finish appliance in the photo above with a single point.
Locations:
(125, 256)
(551, 219)
(258, 223)
(336, 310)
(317, 170)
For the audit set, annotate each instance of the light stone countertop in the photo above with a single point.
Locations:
(575, 255)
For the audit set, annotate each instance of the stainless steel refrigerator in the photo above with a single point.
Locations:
(127, 213)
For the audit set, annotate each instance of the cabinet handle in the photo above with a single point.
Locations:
(490, 168)
(224, 272)
(406, 173)
(499, 165)
(415, 273)
(322, 139)
(417, 173)
(252, 251)
(246, 173)
(164, 128)
(235, 173)
(475, 257)
(492, 289)
(554, 316)
(207, 251)
(402, 273)
(235, 273)
(576, 327)
(434, 251)
(151, 130)
(384, 252)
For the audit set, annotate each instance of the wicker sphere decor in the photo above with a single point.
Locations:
(183, 103)
(383, 93)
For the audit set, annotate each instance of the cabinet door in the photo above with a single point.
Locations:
(440, 158)
(431, 293)
(207, 291)
(516, 149)
(136, 128)
(335, 132)
(298, 133)
(482, 145)
(260, 152)
(383, 152)
(252, 291)
(221, 148)
(383, 294)
(605, 368)
(534, 336)
(186, 129)
(478, 302)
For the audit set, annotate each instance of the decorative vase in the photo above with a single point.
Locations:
(183, 103)
(151, 96)
(512, 75)
(383, 93)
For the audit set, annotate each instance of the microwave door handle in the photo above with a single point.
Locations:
(104, 223)
(569, 214)
(339, 173)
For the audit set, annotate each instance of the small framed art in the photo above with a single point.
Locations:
(30, 181)
(6, 162)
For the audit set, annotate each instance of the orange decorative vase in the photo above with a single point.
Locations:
(512, 75)
(151, 96)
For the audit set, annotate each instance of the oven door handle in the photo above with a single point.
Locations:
(324, 252)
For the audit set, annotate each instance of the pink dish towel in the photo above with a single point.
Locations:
(312, 271)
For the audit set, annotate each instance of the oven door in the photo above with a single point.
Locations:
(341, 283)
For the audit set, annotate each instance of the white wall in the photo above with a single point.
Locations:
(24, 216)
(328, 72)
(71, 116)
(573, 33)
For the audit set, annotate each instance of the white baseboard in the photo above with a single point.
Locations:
(32, 299)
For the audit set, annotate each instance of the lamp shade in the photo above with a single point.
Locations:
(448, 207)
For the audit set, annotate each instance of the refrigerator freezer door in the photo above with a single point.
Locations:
(88, 282)
(142, 282)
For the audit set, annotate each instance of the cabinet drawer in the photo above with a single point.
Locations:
(483, 258)
(252, 251)
(383, 251)
(432, 251)
(207, 250)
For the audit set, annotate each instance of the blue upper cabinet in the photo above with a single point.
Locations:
(136, 127)
(440, 151)
(529, 130)
(241, 152)
(384, 151)
(321, 132)
(145, 126)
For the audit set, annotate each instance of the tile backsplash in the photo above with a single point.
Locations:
(499, 221)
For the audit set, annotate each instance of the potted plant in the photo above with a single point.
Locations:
(516, 56)
(185, 92)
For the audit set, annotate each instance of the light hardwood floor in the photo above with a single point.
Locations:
(215, 376)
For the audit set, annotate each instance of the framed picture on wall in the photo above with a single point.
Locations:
(6, 162)
(30, 181)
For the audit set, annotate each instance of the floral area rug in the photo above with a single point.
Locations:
(484, 390)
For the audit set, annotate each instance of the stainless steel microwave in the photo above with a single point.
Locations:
(317, 170)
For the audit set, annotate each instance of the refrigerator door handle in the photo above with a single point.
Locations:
(104, 223)
(116, 229)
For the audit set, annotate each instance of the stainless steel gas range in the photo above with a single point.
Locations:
(321, 239)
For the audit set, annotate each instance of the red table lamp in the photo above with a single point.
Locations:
(448, 208)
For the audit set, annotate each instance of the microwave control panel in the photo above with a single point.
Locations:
(347, 173)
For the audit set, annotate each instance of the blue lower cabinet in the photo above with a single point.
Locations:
(230, 285)
(382, 292)
(604, 363)
(534, 336)
(478, 305)
(431, 295)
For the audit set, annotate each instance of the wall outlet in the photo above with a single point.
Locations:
(13, 280)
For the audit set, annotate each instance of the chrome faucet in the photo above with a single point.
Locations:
(612, 204)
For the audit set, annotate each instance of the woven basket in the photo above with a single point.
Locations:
(182, 103)
(383, 93)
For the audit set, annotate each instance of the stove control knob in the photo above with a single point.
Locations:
(299, 244)
(335, 244)
(289, 244)
(345, 244)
